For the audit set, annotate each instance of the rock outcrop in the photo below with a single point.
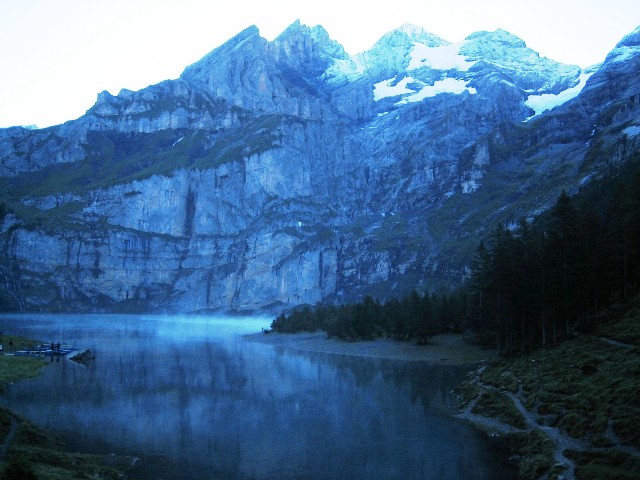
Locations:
(272, 174)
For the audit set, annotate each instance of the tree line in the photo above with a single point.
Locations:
(530, 284)
(412, 317)
(544, 280)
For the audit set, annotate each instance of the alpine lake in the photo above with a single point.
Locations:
(192, 398)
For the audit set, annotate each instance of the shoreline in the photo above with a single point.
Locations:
(445, 349)
(29, 451)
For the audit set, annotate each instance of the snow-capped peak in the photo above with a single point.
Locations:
(395, 52)
(410, 64)
(406, 35)
(419, 34)
(411, 29)
(628, 47)
(443, 57)
(498, 36)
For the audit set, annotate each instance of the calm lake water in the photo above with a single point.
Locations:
(193, 399)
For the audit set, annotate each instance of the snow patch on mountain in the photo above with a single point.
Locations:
(469, 186)
(447, 85)
(547, 101)
(408, 60)
(445, 57)
(407, 86)
(632, 131)
(391, 88)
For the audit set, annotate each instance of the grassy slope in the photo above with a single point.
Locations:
(28, 452)
(582, 398)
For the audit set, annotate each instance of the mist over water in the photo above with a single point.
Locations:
(195, 400)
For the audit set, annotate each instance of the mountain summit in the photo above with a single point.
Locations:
(277, 173)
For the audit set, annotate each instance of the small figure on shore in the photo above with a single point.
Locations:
(52, 345)
(58, 346)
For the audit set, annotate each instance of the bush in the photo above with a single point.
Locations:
(19, 469)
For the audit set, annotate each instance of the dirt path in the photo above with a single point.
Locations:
(562, 442)
(615, 343)
(489, 424)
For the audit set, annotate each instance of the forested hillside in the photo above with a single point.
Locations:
(530, 283)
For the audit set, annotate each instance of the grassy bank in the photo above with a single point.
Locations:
(18, 368)
(28, 452)
(572, 410)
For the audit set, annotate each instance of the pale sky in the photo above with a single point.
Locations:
(57, 55)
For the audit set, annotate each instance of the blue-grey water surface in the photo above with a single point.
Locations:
(193, 399)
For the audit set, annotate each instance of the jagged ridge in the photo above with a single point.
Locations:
(277, 173)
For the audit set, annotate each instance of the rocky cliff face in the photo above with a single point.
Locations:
(272, 174)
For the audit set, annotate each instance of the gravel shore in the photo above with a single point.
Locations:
(447, 348)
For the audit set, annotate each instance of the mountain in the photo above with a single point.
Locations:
(277, 173)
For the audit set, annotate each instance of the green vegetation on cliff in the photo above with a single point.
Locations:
(113, 158)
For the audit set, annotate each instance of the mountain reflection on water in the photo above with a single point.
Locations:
(195, 400)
